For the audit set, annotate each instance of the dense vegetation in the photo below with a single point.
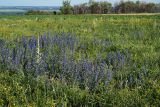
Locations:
(85, 60)
(104, 7)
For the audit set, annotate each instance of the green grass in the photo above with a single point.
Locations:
(140, 34)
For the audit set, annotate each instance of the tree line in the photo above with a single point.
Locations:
(105, 7)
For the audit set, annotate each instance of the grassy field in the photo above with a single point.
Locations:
(80, 60)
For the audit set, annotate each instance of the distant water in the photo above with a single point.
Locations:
(20, 10)
(11, 10)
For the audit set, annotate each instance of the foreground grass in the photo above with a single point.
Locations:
(17, 90)
(138, 34)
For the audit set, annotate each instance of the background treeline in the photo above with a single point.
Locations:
(105, 7)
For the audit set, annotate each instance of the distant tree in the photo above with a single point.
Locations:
(90, 2)
(125, 7)
(157, 8)
(134, 7)
(54, 12)
(142, 7)
(150, 7)
(81, 9)
(106, 7)
(95, 8)
(66, 7)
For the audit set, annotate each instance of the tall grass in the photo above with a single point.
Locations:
(84, 60)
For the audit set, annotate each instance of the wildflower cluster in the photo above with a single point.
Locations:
(66, 57)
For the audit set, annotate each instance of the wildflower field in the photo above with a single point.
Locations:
(80, 61)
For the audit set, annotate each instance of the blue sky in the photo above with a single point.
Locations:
(51, 2)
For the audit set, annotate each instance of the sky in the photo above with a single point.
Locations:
(52, 2)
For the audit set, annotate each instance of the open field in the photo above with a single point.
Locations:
(80, 60)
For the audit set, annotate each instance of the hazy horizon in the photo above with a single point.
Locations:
(54, 2)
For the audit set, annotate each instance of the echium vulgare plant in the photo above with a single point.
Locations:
(70, 58)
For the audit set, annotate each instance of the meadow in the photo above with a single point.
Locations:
(80, 61)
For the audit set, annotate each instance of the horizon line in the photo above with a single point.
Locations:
(28, 6)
